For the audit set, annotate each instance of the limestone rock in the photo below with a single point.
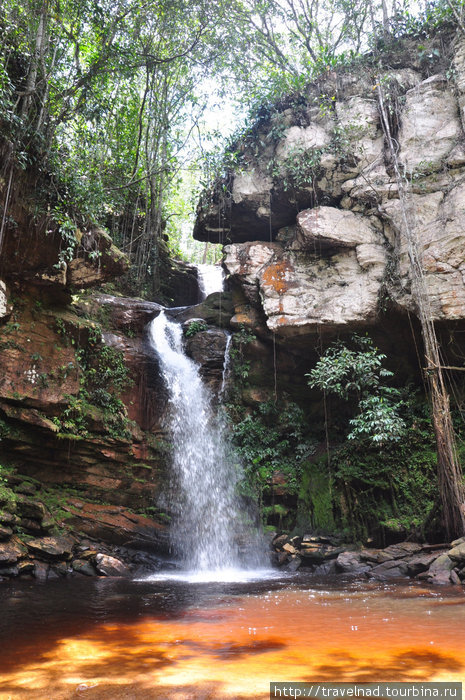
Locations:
(5, 306)
(430, 125)
(110, 566)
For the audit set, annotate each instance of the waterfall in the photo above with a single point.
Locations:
(211, 279)
(208, 524)
(226, 366)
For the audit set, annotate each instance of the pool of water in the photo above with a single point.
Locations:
(180, 638)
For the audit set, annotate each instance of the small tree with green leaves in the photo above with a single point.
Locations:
(359, 373)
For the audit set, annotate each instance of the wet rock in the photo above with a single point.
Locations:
(62, 568)
(82, 566)
(282, 558)
(440, 578)
(216, 310)
(389, 570)
(328, 568)
(41, 570)
(457, 553)
(454, 578)
(10, 571)
(51, 547)
(110, 566)
(351, 563)
(294, 563)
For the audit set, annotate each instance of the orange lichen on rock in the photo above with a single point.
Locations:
(277, 277)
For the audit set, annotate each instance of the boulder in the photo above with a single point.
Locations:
(97, 261)
(5, 532)
(51, 547)
(10, 553)
(110, 566)
(420, 562)
(396, 568)
(351, 563)
(442, 563)
(457, 554)
(83, 566)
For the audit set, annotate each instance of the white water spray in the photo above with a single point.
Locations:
(208, 525)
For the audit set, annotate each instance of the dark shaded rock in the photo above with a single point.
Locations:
(110, 566)
(29, 508)
(421, 562)
(454, 578)
(62, 568)
(116, 525)
(5, 532)
(377, 556)
(318, 553)
(6, 518)
(41, 570)
(328, 568)
(389, 570)
(282, 558)
(51, 547)
(280, 541)
(27, 488)
(25, 567)
(208, 348)
(83, 567)
(10, 571)
(216, 310)
(294, 563)
(351, 563)
(31, 526)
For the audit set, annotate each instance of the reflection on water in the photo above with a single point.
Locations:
(171, 639)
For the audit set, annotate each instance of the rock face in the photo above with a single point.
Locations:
(313, 221)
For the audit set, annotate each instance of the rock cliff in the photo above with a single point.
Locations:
(312, 217)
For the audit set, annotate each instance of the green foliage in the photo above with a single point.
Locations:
(7, 495)
(194, 328)
(401, 485)
(359, 372)
(272, 440)
(240, 366)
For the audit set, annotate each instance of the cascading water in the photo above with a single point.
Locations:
(211, 279)
(208, 524)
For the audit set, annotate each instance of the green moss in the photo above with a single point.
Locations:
(315, 503)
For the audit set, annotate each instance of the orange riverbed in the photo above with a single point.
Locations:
(157, 640)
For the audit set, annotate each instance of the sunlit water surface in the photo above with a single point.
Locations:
(177, 638)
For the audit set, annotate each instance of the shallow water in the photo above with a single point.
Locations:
(113, 638)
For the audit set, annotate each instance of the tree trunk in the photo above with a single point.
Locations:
(450, 476)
